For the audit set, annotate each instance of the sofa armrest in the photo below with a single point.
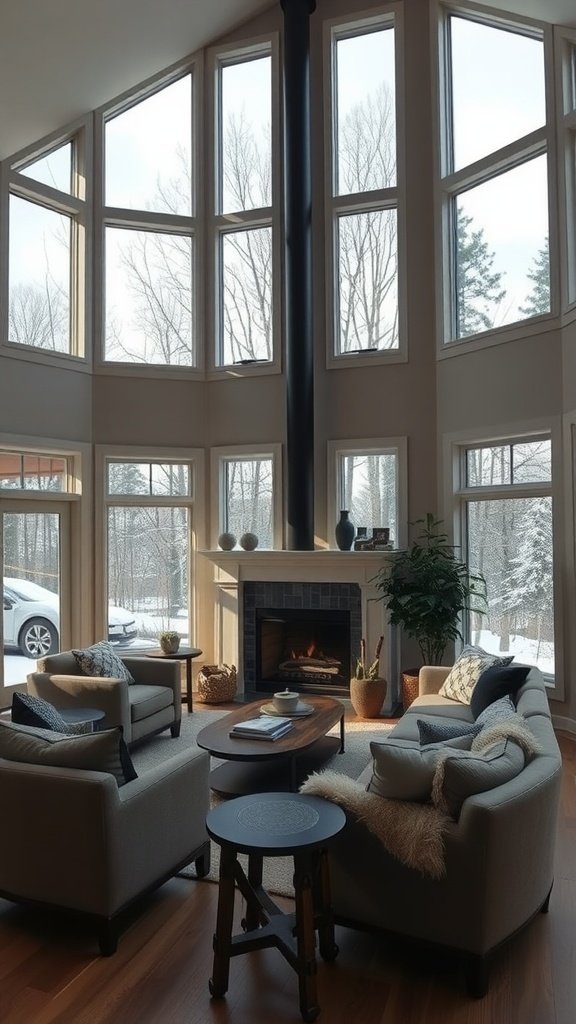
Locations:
(430, 678)
(67, 691)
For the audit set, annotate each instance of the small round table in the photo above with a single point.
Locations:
(276, 825)
(73, 716)
(186, 654)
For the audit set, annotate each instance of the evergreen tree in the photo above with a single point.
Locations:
(527, 592)
(478, 287)
(538, 301)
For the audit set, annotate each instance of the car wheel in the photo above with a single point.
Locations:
(38, 638)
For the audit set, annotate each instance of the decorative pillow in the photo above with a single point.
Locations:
(99, 751)
(402, 771)
(466, 671)
(437, 732)
(29, 710)
(461, 774)
(496, 682)
(497, 712)
(101, 660)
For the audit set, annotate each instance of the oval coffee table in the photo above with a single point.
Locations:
(258, 766)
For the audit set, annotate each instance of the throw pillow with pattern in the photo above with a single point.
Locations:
(101, 660)
(30, 710)
(466, 671)
(438, 732)
(497, 712)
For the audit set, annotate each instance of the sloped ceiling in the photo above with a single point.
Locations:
(62, 58)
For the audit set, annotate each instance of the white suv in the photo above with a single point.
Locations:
(31, 619)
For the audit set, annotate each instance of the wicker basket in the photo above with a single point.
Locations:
(409, 686)
(216, 684)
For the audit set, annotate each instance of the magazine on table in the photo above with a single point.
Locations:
(245, 730)
(261, 726)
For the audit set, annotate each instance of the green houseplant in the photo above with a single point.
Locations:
(169, 641)
(427, 588)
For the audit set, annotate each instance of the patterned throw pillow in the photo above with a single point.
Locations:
(466, 672)
(437, 732)
(29, 710)
(101, 660)
(98, 752)
(496, 712)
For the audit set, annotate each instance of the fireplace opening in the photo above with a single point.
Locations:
(307, 650)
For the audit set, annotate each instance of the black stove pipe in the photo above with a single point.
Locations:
(298, 277)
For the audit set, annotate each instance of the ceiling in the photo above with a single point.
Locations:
(62, 58)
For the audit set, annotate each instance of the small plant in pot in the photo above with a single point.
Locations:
(169, 641)
(367, 687)
(426, 589)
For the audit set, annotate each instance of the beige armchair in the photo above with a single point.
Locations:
(152, 703)
(79, 843)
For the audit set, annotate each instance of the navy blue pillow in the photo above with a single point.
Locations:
(439, 732)
(496, 682)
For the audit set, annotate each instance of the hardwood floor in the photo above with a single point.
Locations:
(50, 972)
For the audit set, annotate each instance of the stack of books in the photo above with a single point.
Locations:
(262, 728)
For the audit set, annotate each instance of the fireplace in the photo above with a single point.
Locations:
(250, 583)
(301, 635)
(304, 649)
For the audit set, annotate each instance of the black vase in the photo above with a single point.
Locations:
(345, 531)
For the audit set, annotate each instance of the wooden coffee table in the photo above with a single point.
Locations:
(260, 766)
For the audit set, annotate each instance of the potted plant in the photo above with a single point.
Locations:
(426, 590)
(367, 687)
(169, 641)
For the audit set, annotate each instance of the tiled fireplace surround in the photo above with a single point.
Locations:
(323, 580)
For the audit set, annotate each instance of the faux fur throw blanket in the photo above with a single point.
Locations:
(411, 832)
(508, 729)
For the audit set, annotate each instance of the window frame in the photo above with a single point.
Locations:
(142, 220)
(457, 495)
(218, 457)
(194, 502)
(449, 184)
(336, 450)
(565, 76)
(218, 224)
(388, 16)
(78, 206)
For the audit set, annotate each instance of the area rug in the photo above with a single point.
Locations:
(277, 870)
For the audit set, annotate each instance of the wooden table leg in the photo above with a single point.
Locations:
(189, 685)
(222, 942)
(326, 943)
(253, 910)
(305, 936)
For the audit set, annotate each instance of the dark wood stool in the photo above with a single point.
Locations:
(276, 825)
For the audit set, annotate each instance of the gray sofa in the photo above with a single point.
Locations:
(75, 841)
(151, 703)
(499, 855)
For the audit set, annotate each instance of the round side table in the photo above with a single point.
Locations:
(276, 825)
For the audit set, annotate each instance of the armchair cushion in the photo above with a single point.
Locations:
(101, 660)
(100, 751)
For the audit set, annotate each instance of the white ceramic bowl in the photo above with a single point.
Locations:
(286, 701)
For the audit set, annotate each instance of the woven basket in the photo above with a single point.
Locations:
(409, 686)
(216, 684)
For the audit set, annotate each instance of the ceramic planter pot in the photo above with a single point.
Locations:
(169, 646)
(367, 696)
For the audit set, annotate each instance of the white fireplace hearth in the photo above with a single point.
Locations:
(298, 570)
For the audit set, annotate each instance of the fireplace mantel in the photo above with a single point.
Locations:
(233, 568)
